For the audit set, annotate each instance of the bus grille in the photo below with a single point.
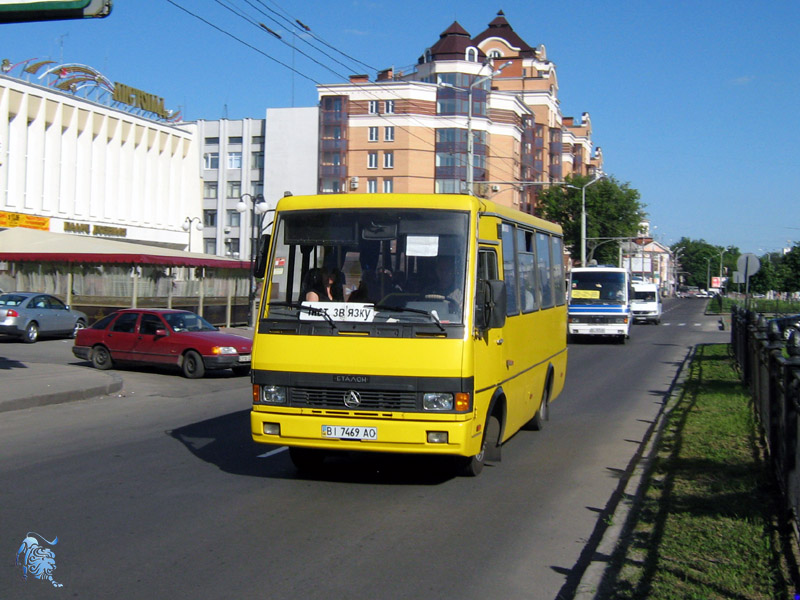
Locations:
(302, 397)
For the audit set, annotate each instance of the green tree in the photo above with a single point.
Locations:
(613, 211)
(698, 261)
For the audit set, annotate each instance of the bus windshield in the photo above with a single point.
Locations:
(369, 265)
(598, 287)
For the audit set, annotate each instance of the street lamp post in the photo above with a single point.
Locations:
(259, 207)
(598, 177)
(187, 227)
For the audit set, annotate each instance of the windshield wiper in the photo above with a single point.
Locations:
(311, 310)
(430, 314)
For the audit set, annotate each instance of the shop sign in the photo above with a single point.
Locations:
(9, 219)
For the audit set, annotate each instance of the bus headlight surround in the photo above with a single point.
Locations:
(437, 401)
(273, 394)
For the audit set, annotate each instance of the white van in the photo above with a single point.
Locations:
(646, 302)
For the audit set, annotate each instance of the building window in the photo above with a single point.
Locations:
(211, 160)
(373, 134)
(257, 139)
(236, 139)
(373, 107)
(234, 217)
(389, 107)
(257, 188)
(234, 160)
(388, 185)
(209, 141)
(257, 160)
(331, 158)
(210, 245)
(495, 54)
(210, 190)
(372, 186)
(388, 134)
(234, 189)
(472, 55)
(388, 160)
(210, 218)
(372, 160)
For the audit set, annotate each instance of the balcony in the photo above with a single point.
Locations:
(331, 145)
(338, 171)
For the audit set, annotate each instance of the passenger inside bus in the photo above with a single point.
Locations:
(323, 285)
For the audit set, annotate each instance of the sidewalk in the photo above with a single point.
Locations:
(29, 384)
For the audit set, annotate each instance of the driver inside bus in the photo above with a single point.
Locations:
(446, 283)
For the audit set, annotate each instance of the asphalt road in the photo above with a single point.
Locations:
(159, 492)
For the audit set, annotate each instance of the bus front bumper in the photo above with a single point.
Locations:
(407, 435)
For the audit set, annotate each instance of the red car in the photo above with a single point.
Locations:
(162, 337)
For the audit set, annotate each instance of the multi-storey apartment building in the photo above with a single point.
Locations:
(249, 161)
(232, 169)
(410, 132)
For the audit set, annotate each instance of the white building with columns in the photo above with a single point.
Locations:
(73, 165)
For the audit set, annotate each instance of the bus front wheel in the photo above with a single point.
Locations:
(471, 466)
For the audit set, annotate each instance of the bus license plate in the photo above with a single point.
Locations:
(349, 433)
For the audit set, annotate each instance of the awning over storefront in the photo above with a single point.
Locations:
(19, 244)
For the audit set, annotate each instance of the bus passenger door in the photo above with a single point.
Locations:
(489, 349)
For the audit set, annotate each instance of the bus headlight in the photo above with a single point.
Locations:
(437, 401)
(445, 401)
(272, 394)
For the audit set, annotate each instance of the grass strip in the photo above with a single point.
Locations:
(708, 524)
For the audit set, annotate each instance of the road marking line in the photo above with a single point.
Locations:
(271, 452)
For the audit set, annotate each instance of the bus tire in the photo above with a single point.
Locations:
(543, 414)
(307, 460)
(471, 466)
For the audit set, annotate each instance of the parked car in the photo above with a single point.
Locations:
(162, 337)
(27, 315)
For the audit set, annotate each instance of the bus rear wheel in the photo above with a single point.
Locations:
(543, 414)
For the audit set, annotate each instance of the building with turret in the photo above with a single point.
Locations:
(477, 113)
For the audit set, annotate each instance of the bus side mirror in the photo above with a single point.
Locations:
(260, 266)
(490, 304)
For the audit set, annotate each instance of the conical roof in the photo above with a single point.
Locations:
(500, 28)
(452, 45)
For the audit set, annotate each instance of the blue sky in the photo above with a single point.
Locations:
(694, 103)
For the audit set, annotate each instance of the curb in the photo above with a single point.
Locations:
(114, 385)
(590, 585)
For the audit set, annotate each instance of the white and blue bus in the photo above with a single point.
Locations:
(600, 302)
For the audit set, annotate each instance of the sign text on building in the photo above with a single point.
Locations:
(139, 99)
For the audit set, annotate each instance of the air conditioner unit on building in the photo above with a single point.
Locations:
(354, 183)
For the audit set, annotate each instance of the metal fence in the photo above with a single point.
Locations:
(770, 365)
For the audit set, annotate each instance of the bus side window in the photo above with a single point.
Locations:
(510, 270)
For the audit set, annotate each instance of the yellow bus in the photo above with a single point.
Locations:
(411, 323)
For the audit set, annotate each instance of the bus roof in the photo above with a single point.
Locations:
(405, 201)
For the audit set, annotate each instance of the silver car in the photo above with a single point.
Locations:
(27, 314)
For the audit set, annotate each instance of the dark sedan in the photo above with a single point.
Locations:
(27, 315)
(163, 337)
